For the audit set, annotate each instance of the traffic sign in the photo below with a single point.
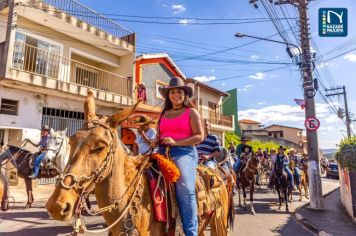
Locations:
(312, 123)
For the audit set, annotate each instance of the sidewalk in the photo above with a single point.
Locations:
(331, 221)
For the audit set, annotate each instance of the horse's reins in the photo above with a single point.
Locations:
(14, 157)
(97, 177)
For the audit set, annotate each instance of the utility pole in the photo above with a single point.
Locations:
(316, 198)
(347, 114)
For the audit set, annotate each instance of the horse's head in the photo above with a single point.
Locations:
(254, 161)
(90, 159)
(57, 147)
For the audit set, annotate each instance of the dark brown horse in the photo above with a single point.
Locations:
(20, 158)
(281, 182)
(248, 178)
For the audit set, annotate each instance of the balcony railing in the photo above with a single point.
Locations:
(216, 117)
(44, 63)
(91, 17)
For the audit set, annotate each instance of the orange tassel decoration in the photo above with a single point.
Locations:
(169, 169)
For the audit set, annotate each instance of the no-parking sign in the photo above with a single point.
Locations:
(312, 123)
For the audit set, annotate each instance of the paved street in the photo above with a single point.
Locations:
(267, 221)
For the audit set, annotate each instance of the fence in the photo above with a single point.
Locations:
(91, 17)
(41, 62)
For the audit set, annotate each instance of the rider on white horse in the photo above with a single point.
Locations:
(42, 147)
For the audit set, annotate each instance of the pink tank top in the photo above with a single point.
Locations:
(176, 128)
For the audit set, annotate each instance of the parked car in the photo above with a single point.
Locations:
(332, 171)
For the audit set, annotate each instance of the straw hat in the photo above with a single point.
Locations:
(143, 119)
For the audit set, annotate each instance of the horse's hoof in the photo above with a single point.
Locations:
(253, 212)
(28, 206)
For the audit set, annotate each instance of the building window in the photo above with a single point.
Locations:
(9, 107)
(159, 84)
(249, 127)
(34, 55)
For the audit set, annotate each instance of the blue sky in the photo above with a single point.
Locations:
(266, 91)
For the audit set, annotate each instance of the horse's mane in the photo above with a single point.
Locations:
(17, 148)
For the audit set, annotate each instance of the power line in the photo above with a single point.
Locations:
(183, 21)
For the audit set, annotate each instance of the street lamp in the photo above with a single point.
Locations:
(289, 51)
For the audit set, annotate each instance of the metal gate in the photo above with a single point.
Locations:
(59, 120)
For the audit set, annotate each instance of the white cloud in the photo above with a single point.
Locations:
(293, 115)
(205, 78)
(178, 9)
(323, 64)
(261, 103)
(186, 21)
(254, 57)
(351, 57)
(258, 76)
(158, 41)
(272, 76)
(223, 84)
(212, 70)
(245, 88)
(164, 5)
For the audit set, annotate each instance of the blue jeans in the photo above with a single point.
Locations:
(297, 175)
(291, 179)
(237, 165)
(37, 163)
(186, 159)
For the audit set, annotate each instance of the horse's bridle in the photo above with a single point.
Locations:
(96, 176)
(59, 148)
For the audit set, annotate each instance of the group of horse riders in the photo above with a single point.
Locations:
(290, 162)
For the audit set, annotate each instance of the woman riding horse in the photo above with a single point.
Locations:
(99, 161)
(180, 128)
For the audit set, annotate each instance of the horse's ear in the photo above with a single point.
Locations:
(51, 132)
(116, 119)
(64, 132)
(89, 107)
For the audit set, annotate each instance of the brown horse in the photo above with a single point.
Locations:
(248, 178)
(264, 170)
(4, 193)
(302, 181)
(99, 161)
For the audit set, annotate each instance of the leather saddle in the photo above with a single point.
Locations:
(46, 167)
(164, 202)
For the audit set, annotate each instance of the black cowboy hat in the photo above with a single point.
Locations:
(176, 82)
(243, 139)
(45, 128)
(281, 147)
(143, 119)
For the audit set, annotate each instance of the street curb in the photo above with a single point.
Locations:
(304, 222)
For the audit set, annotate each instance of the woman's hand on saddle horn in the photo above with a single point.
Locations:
(169, 141)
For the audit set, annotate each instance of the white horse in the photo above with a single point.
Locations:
(58, 149)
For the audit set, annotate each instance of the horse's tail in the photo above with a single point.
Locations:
(231, 214)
